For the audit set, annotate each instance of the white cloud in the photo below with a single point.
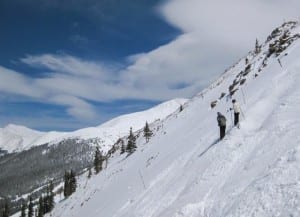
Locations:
(16, 83)
(12, 82)
(215, 34)
(231, 18)
(66, 65)
(76, 107)
(233, 23)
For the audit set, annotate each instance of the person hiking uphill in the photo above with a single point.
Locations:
(236, 110)
(222, 124)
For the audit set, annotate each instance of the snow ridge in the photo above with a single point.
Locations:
(14, 138)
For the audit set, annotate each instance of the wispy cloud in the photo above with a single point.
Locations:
(65, 64)
(76, 106)
(75, 83)
(15, 83)
(43, 90)
(215, 34)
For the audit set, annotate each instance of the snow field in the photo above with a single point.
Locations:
(254, 171)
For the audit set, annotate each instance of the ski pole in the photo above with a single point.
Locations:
(243, 96)
(141, 176)
(231, 116)
(279, 62)
(243, 114)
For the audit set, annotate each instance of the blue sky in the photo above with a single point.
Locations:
(106, 31)
(65, 65)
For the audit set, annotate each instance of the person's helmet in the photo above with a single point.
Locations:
(233, 101)
(219, 113)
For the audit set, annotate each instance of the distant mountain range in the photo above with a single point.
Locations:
(14, 138)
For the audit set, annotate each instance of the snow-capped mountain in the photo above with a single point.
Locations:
(184, 171)
(14, 138)
(17, 138)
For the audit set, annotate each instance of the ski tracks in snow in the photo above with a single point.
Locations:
(238, 150)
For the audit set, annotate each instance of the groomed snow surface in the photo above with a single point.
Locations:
(185, 172)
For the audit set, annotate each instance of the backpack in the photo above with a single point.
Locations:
(222, 120)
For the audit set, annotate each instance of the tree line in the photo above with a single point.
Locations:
(46, 202)
(131, 140)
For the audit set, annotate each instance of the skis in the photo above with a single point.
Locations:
(219, 140)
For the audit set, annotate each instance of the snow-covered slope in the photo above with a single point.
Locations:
(18, 138)
(184, 171)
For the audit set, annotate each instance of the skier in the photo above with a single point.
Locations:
(237, 110)
(222, 124)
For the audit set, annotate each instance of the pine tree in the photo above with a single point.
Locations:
(23, 209)
(30, 207)
(180, 108)
(147, 132)
(6, 211)
(257, 47)
(51, 196)
(73, 182)
(41, 207)
(67, 191)
(70, 183)
(65, 184)
(89, 173)
(98, 161)
(131, 145)
(123, 148)
(246, 61)
(46, 201)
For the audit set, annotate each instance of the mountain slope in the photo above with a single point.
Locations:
(185, 171)
(15, 138)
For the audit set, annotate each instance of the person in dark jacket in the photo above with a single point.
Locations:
(222, 124)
